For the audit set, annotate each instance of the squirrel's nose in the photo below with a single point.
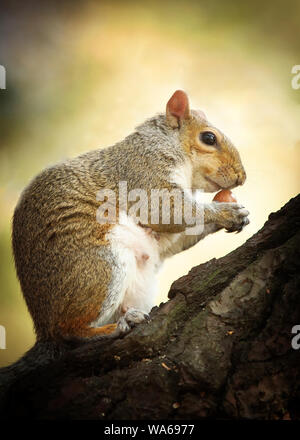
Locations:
(241, 177)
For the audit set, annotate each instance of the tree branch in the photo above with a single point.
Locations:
(220, 347)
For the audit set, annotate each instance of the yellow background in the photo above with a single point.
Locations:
(82, 75)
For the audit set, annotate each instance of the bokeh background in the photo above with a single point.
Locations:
(82, 75)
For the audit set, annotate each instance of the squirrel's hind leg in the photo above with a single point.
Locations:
(93, 307)
(130, 318)
(118, 290)
(100, 331)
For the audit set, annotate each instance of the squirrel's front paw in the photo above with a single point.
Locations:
(131, 318)
(232, 216)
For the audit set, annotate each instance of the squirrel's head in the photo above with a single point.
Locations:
(215, 161)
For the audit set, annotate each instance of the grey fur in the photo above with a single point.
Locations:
(67, 271)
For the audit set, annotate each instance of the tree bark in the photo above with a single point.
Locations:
(219, 348)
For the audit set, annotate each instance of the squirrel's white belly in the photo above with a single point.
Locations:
(137, 251)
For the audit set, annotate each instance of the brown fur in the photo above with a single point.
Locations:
(62, 255)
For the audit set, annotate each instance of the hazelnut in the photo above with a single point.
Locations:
(224, 196)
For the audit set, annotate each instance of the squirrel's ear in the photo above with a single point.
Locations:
(177, 108)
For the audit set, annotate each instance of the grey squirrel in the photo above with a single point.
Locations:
(83, 279)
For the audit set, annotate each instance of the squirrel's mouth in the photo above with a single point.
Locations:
(217, 186)
(214, 184)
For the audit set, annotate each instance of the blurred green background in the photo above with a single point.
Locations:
(82, 75)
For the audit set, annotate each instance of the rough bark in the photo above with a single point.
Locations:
(219, 348)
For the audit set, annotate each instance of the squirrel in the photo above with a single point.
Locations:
(83, 279)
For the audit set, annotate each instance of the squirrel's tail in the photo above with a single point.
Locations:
(42, 353)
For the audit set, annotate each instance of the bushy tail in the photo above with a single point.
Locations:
(42, 353)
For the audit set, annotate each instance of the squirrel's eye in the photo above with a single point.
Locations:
(208, 138)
